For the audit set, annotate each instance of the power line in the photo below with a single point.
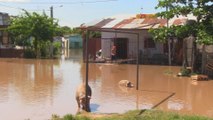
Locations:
(20, 8)
(79, 2)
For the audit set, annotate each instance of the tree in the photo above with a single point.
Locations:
(201, 9)
(76, 31)
(65, 30)
(34, 28)
(201, 29)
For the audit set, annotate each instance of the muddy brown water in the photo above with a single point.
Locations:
(36, 89)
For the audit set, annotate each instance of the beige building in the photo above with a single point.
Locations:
(4, 36)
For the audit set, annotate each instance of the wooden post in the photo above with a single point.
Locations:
(138, 57)
(87, 69)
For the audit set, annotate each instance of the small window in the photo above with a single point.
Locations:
(149, 43)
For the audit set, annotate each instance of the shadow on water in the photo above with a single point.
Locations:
(94, 107)
(155, 106)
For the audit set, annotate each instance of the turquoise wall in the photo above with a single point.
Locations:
(75, 41)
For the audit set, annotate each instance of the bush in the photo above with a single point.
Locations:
(185, 72)
(44, 49)
(56, 48)
(29, 53)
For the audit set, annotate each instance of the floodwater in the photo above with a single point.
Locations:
(36, 89)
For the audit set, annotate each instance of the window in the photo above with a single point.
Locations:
(149, 43)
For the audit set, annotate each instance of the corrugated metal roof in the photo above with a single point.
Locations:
(139, 21)
(102, 23)
(134, 24)
(123, 23)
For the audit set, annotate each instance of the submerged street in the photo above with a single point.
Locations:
(36, 89)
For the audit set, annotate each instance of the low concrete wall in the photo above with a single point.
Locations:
(11, 53)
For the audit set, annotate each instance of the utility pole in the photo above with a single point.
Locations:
(51, 11)
(51, 45)
(168, 38)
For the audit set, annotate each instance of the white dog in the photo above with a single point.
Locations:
(126, 83)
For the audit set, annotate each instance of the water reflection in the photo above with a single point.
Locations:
(28, 82)
(27, 76)
(36, 89)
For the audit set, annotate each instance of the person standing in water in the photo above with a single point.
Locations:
(113, 53)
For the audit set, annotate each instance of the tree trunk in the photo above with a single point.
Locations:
(36, 48)
(203, 58)
(194, 54)
(169, 51)
(185, 61)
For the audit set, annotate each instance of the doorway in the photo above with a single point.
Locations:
(121, 45)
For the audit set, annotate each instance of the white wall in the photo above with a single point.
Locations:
(132, 44)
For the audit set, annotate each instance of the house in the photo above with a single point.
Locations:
(4, 37)
(128, 32)
(6, 48)
(75, 41)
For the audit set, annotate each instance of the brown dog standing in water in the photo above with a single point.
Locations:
(126, 83)
(81, 97)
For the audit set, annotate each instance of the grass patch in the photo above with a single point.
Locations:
(132, 115)
(168, 72)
